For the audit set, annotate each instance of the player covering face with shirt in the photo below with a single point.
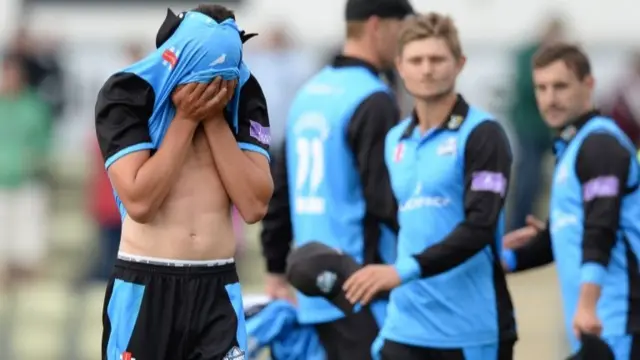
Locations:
(184, 133)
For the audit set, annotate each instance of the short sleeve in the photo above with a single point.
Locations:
(253, 120)
(123, 108)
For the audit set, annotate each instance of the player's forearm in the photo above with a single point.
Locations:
(460, 245)
(154, 179)
(248, 185)
(589, 295)
(536, 253)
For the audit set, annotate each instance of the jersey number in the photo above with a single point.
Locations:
(310, 173)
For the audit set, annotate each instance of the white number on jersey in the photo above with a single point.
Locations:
(310, 175)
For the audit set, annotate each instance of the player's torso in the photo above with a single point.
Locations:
(327, 203)
(194, 221)
(325, 189)
(567, 231)
(458, 307)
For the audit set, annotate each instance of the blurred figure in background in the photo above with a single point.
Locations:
(625, 105)
(532, 135)
(43, 71)
(105, 214)
(25, 136)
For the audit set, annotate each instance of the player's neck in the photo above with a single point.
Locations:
(357, 49)
(431, 114)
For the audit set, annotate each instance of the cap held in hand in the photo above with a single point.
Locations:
(316, 269)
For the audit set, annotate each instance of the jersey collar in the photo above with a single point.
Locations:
(569, 131)
(344, 61)
(452, 121)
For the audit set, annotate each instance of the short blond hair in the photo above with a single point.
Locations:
(433, 24)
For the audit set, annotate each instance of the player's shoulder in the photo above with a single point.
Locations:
(604, 145)
(125, 86)
(252, 88)
(124, 98)
(396, 132)
(477, 116)
(479, 120)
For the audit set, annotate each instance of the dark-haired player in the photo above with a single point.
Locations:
(593, 233)
(174, 293)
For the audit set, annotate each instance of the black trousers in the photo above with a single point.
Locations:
(395, 351)
(349, 338)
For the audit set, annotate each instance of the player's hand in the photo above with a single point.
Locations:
(195, 101)
(518, 238)
(277, 287)
(585, 321)
(216, 109)
(365, 283)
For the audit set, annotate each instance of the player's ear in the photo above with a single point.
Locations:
(168, 27)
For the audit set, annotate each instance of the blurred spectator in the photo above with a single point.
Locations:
(625, 104)
(25, 137)
(44, 74)
(532, 135)
(134, 52)
(105, 214)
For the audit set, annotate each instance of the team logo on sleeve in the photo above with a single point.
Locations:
(490, 181)
(259, 132)
(601, 187)
(399, 152)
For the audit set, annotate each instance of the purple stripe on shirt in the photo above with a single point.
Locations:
(603, 186)
(490, 181)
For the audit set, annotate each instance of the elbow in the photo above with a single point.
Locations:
(139, 212)
(254, 212)
(256, 206)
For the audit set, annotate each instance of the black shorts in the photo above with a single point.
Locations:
(168, 312)
(349, 338)
(393, 351)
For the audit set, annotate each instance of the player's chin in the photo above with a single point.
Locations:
(431, 95)
(556, 120)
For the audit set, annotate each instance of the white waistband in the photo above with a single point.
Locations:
(173, 262)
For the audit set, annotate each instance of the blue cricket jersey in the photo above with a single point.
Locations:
(593, 233)
(450, 185)
(326, 188)
(582, 253)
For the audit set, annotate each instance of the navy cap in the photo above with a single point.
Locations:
(316, 269)
(358, 10)
(593, 348)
